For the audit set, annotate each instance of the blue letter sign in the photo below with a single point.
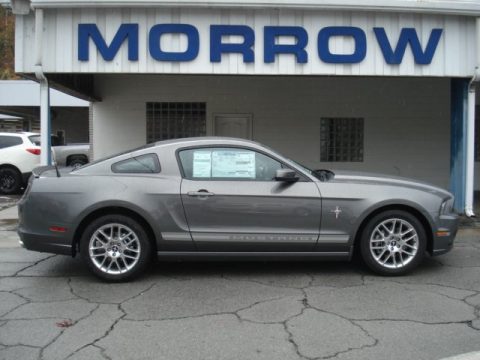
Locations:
(408, 36)
(217, 47)
(156, 33)
(392, 53)
(358, 36)
(271, 48)
(87, 31)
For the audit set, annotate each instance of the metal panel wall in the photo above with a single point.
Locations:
(454, 56)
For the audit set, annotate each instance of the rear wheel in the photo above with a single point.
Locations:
(77, 161)
(393, 243)
(116, 248)
(10, 180)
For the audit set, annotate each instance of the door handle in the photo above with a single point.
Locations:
(200, 193)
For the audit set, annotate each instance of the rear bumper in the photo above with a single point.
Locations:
(444, 234)
(44, 243)
(35, 235)
(25, 177)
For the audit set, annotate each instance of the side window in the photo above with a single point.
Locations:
(8, 141)
(143, 164)
(228, 164)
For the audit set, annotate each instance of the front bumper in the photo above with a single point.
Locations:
(444, 234)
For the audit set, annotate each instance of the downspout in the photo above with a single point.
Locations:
(45, 154)
(470, 160)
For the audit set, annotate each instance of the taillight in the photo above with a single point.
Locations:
(57, 229)
(34, 151)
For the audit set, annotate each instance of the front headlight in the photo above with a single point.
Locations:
(447, 206)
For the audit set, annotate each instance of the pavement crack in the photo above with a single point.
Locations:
(104, 335)
(103, 352)
(32, 265)
(64, 329)
(291, 340)
(261, 283)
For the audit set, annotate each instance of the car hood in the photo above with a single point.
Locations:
(342, 176)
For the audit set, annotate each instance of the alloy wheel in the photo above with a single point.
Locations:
(394, 243)
(114, 248)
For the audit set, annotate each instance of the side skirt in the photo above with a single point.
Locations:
(252, 256)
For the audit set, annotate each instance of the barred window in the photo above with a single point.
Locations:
(173, 120)
(341, 139)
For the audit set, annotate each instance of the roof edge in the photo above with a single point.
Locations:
(448, 7)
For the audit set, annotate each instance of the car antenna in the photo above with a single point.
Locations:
(56, 169)
(55, 164)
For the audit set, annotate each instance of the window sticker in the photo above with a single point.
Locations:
(233, 164)
(202, 164)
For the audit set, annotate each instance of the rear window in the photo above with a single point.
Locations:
(143, 164)
(54, 140)
(8, 141)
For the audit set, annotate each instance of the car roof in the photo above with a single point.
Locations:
(205, 140)
(20, 133)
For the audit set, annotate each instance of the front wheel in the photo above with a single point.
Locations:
(115, 248)
(393, 243)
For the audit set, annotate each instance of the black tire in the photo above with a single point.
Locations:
(144, 248)
(77, 161)
(397, 257)
(10, 181)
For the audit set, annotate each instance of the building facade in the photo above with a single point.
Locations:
(352, 85)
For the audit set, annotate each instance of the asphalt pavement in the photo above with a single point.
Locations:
(52, 308)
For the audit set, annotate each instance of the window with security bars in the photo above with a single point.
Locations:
(341, 139)
(477, 133)
(173, 120)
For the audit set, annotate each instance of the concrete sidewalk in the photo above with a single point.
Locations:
(9, 213)
(8, 227)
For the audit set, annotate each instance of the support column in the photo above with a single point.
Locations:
(470, 155)
(45, 155)
(45, 131)
(458, 142)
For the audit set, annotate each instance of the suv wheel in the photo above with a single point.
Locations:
(115, 248)
(10, 181)
(393, 243)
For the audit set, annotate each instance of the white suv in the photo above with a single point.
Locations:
(18, 157)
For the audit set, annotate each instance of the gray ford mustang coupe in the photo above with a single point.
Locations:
(228, 198)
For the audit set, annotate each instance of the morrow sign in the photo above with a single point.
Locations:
(392, 49)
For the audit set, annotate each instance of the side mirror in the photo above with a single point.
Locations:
(286, 175)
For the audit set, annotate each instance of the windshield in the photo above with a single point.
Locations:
(321, 174)
(304, 168)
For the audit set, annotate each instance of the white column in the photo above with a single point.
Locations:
(45, 155)
(470, 153)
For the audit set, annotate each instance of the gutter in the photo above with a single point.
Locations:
(45, 155)
(446, 7)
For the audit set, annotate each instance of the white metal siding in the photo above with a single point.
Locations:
(286, 115)
(454, 55)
